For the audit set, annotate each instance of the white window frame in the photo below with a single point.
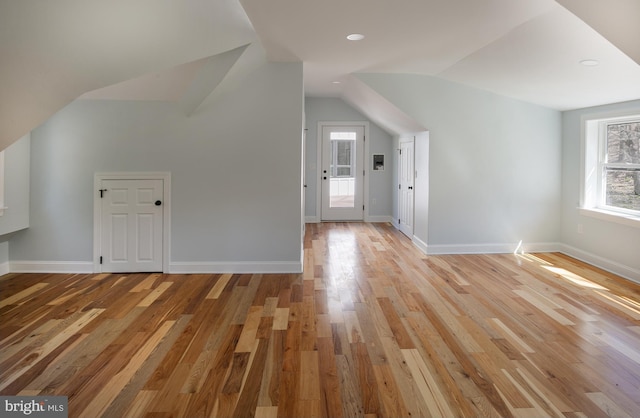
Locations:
(334, 163)
(593, 190)
(603, 164)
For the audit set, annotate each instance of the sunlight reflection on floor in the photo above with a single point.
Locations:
(574, 278)
(630, 305)
(341, 246)
(532, 258)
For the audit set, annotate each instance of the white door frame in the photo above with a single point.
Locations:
(166, 212)
(367, 172)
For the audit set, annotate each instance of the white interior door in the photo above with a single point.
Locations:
(131, 225)
(342, 173)
(406, 192)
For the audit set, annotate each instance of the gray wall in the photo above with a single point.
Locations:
(4, 257)
(318, 109)
(612, 241)
(235, 166)
(16, 187)
(494, 164)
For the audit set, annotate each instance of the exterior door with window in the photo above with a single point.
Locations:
(131, 225)
(342, 173)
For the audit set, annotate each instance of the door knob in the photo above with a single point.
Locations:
(158, 202)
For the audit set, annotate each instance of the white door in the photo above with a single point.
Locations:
(131, 225)
(405, 193)
(342, 173)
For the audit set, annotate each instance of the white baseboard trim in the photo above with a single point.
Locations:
(627, 272)
(174, 267)
(311, 220)
(180, 267)
(379, 219)
(85, 267)
(422, 246)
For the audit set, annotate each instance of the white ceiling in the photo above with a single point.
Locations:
(53, 52)
(525, 49)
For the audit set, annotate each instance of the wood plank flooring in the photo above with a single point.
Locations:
(372, 328)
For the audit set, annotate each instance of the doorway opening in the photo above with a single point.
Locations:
(343, 186)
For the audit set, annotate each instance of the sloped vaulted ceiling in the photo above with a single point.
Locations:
(527, 49)
(51, 52)
(616, 20)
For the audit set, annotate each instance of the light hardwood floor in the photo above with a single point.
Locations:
(372, 328)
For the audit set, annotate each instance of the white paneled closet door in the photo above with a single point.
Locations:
(406, 176)
(131, 225)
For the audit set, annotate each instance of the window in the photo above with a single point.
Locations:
(612, 165)
(620, 165)
(342, 155)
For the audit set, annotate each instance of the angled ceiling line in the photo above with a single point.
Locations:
(479, 50)
(208, 78)
(619, 25)
(379, 109)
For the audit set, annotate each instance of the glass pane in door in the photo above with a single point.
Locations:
(342, 170)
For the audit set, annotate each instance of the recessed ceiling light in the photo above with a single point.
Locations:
(589, 63)
(355, 37)
(336, 82)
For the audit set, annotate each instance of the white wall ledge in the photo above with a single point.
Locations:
(616, 217)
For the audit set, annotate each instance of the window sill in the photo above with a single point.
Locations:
(619, 218)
